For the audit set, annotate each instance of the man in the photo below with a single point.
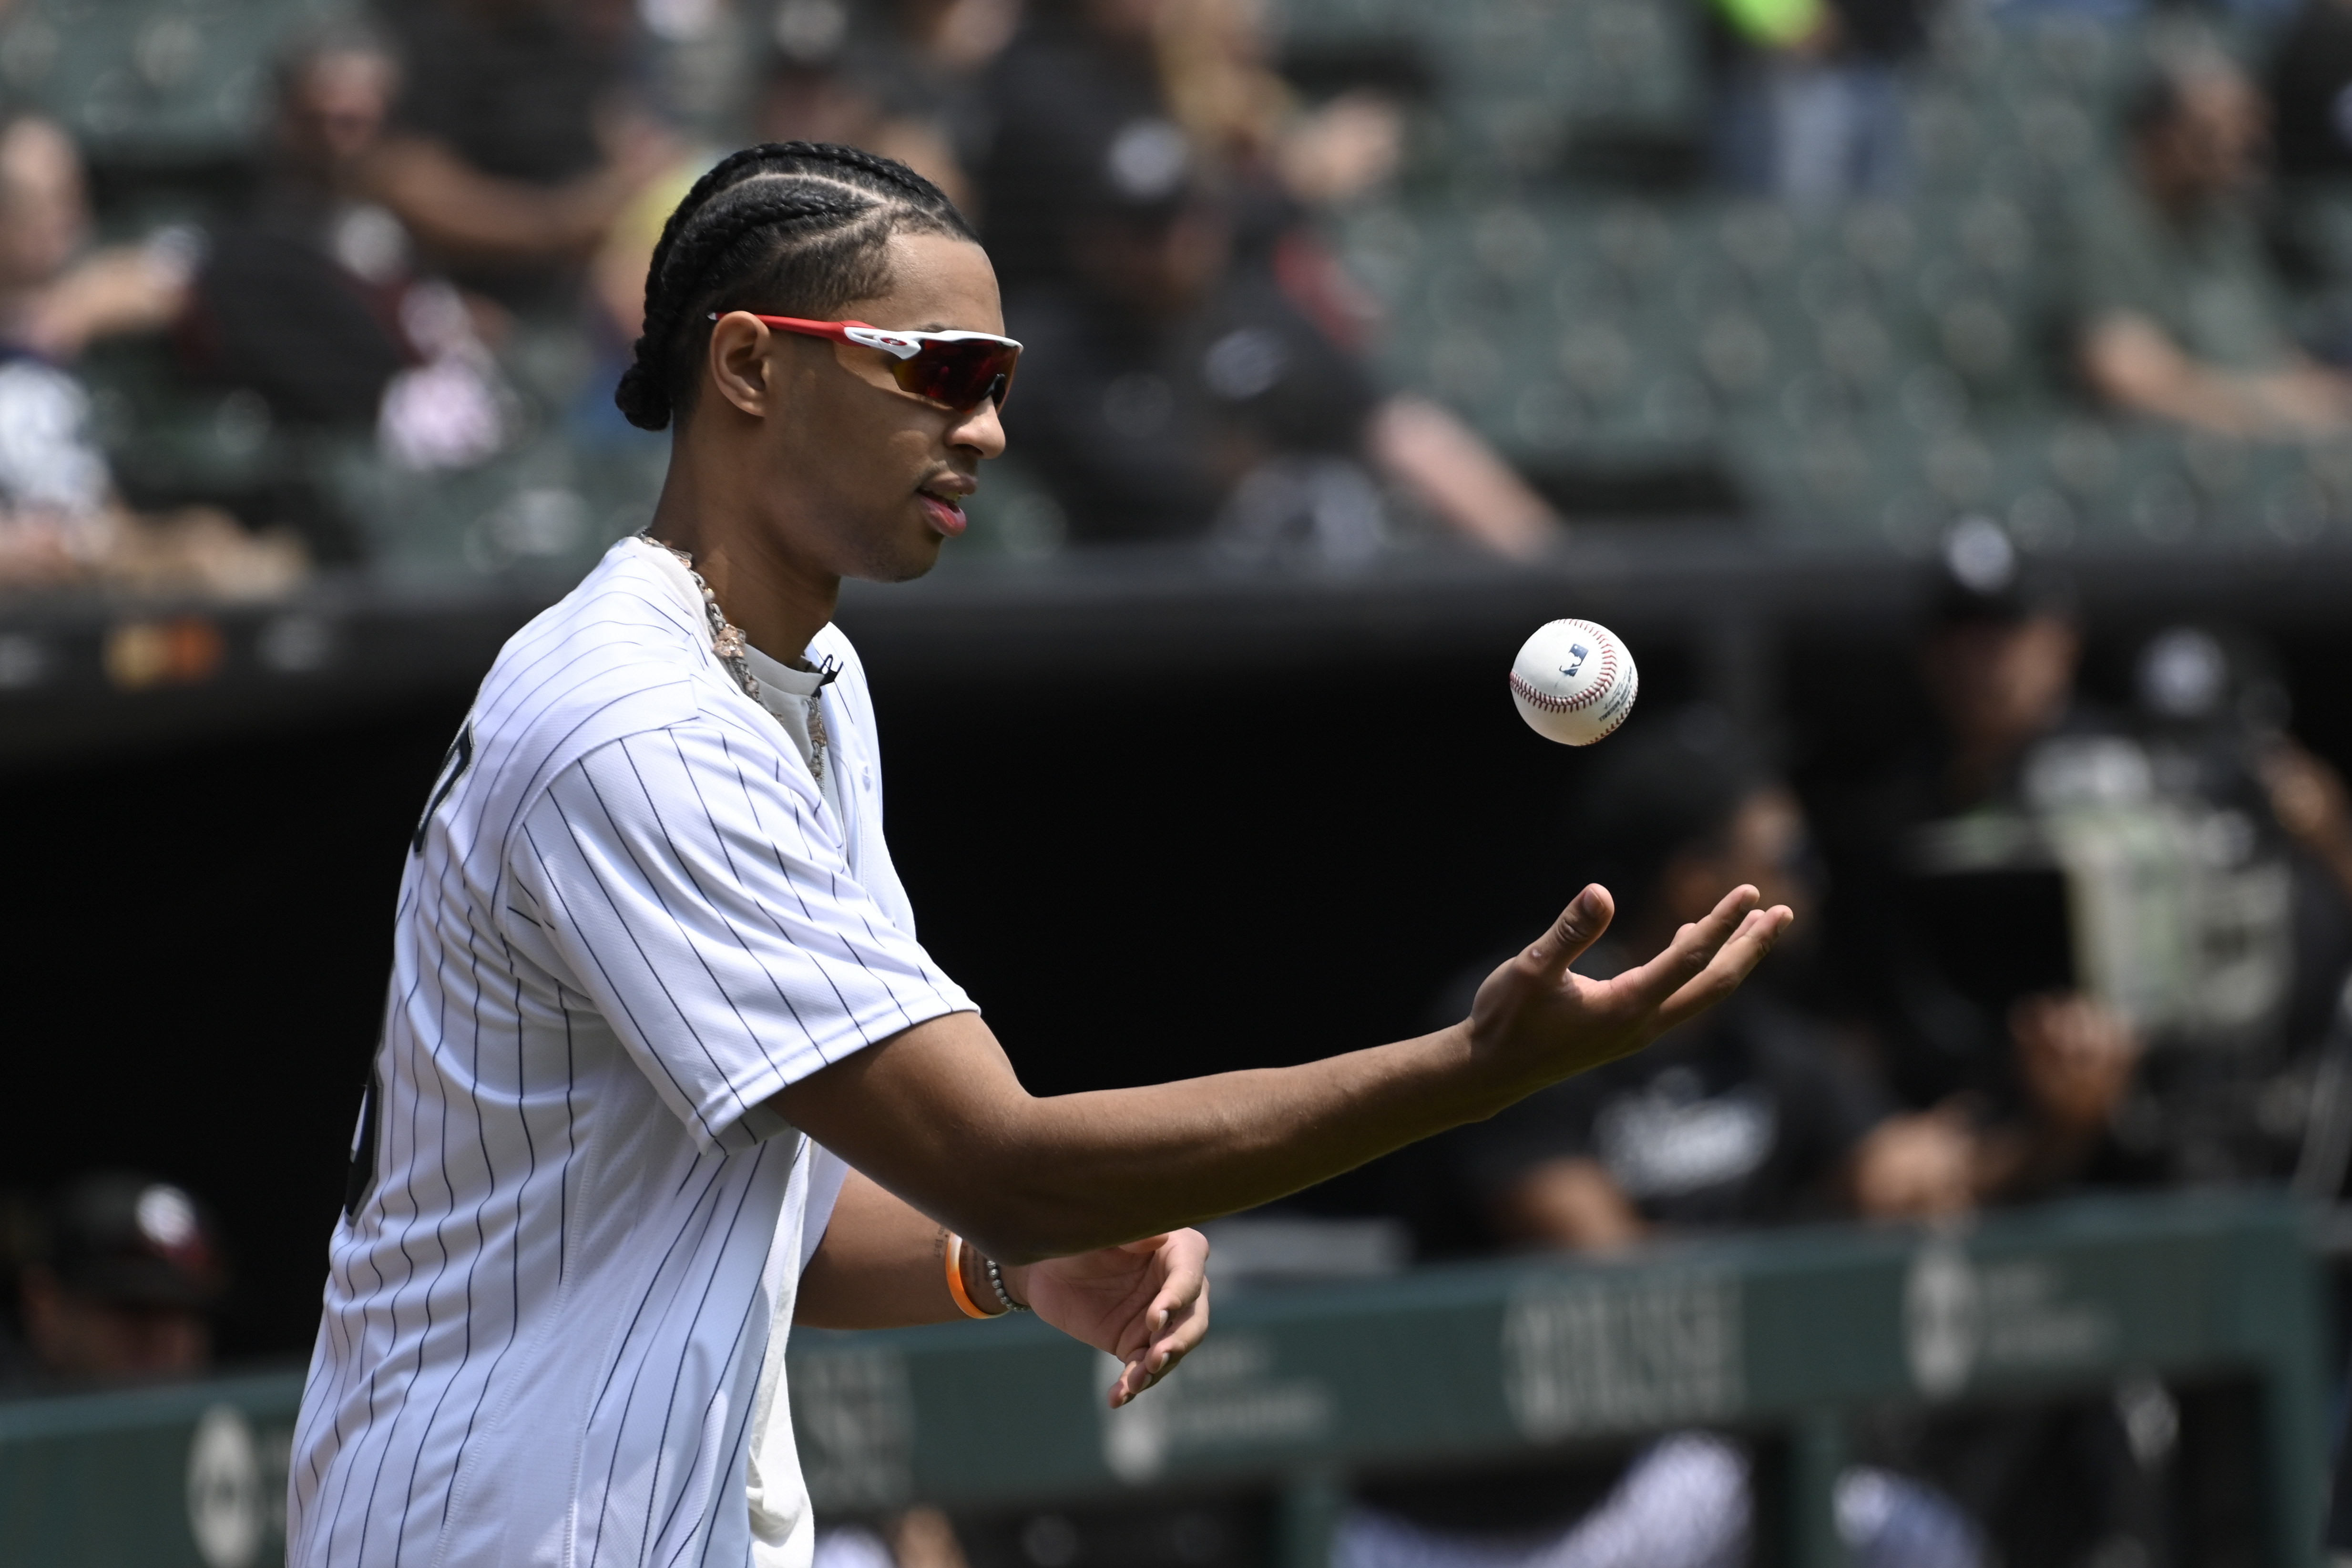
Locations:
(515, 146)
(1753, 1115)
(1178, 384)
(2175, 314)
(120, 1286)
(314, 301)
(60, 520)
(1965, 972)
(663, 1068)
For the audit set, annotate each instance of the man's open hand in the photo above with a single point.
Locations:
(1146, 1303)
(1538, 1022)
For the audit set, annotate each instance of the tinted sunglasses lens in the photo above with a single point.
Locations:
(960, 373)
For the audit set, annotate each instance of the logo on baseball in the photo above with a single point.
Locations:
(1574, 683)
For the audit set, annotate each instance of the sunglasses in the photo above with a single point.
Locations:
(958, 369)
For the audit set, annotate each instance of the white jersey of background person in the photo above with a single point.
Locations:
(631, 914)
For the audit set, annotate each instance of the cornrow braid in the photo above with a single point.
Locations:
(789, 228)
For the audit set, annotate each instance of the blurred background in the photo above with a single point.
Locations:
(1949, 401)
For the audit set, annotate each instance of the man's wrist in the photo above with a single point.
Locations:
(972, 1270)
(1016, 1283)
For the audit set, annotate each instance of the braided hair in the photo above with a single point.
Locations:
(789, 228)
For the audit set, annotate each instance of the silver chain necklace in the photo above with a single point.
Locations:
(726, 644)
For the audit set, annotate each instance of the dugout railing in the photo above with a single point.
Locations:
(1781, 1337)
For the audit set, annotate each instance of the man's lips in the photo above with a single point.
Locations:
(945, 513)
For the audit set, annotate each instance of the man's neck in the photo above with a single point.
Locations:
(779, 602)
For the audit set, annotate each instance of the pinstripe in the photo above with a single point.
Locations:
(636, 1377)
(752, 808)
(514, 1256)
(564, 906)
(652, 1534)
(440, 1245)
(473, 1262)
(635, 914)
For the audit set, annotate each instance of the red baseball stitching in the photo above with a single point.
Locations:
(1594, 693)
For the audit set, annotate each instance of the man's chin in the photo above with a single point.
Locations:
(905, 565)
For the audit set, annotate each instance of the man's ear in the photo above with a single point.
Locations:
(739, 362)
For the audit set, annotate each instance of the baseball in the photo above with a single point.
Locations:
(1574, 683)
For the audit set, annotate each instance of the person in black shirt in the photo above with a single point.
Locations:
(1750, 1115)
(1171, 384)
(1754, 1114)
(301, 302)
(1957, 950)
(516, 142)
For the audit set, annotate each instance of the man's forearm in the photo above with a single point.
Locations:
(936, 1115)
(450, 205)
(881, 1265)
(1027, 1177)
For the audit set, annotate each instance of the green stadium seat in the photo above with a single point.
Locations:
(167, 82)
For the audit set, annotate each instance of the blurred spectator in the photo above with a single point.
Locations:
(1751, 1115)
(61, 521)
(907, 86)
(1951, 919)
(1281, 157)
(123, 1274)
(55, 300)
(1810, 97)
(2175, 311)
(515, 143)
(2214, 720)
(314, 301)
(1166, 382)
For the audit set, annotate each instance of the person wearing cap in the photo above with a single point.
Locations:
(122, 1284)
(1751, 1116)
(2040, 1067)
(1171, 382)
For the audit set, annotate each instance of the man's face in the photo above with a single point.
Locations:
(338, 107)
(44, 216)
(858, 464)
(1160, 269)
(2000, 685)
(88, 1338)
(1764, 844)
(2212, 148)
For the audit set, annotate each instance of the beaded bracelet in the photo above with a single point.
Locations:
(996, 1278)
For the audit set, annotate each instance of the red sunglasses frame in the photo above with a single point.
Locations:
(905, 348)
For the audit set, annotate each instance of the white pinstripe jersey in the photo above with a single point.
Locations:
(629, 917)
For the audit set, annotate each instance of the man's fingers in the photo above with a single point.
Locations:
(1694, 947)
(1178, 1316)
(1731, 963)
(1579, 927)
(1183, 1328)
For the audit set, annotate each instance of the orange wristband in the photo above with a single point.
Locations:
(955, 1280)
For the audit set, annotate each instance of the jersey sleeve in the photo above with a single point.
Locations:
(688, 880)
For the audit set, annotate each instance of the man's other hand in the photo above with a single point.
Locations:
(1146, 1303)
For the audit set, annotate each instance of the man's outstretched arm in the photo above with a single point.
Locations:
(936, 1115)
